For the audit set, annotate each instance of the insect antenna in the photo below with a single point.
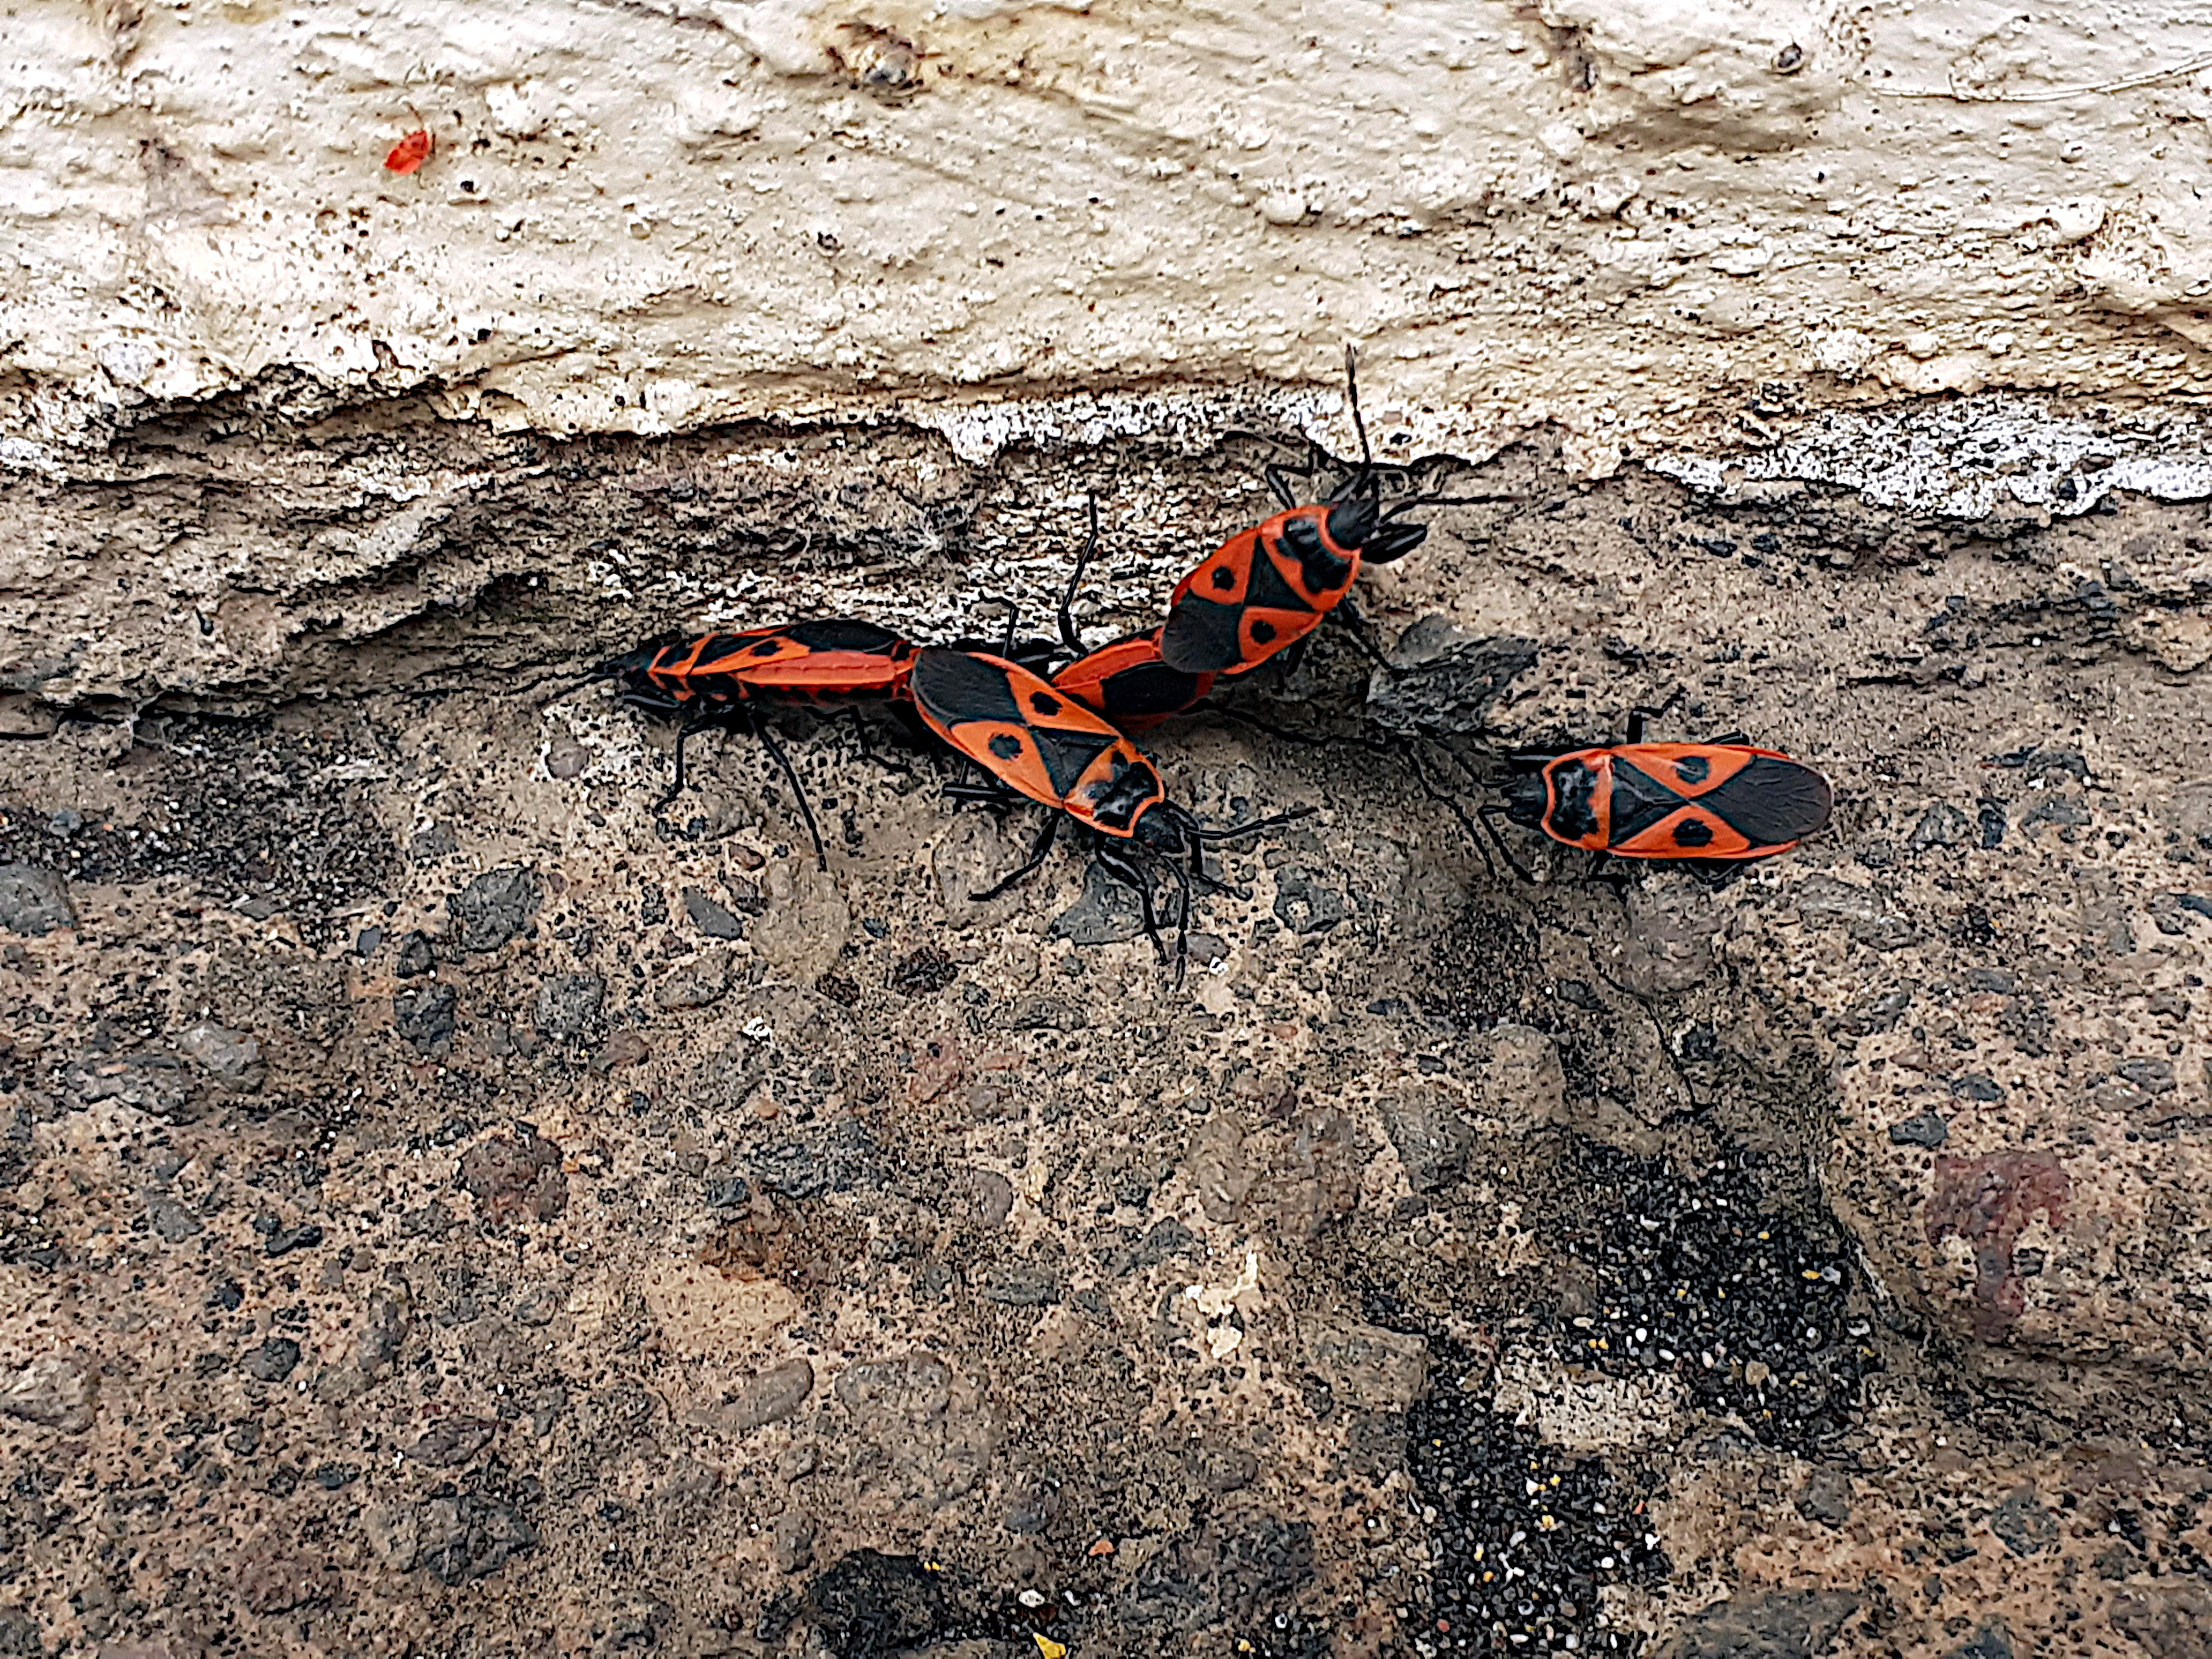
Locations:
(1068, 636)
(612, 669)
(1412, 501)
(1236, 831)
(1358, 421)
(1449, 801)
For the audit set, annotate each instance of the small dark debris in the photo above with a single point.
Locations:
(1941, 825)
(2022, 1524)
(427, 1017)
(515, 1179)
(494, 907)
(285, 1240)
(451, 1441)
(1779, 1624)
(924, 972)
(568, 1003)
(1992, 1641)
(1304, 903)
(33, 900)
(274, 1360)
(711, 918)
(415, 957)
(1018, 1284)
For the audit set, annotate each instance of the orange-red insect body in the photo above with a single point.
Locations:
(1673, 800)
(410, 152)
(807, 662)
(721, 679)
(1037, 740)
(1129, 683)
(1266, 588)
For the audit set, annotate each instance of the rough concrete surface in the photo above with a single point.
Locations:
(455, 1199)
(456, 1203)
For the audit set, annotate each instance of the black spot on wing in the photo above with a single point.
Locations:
(1773, 801)
(1201, 636)
(952, 687)
(1006, 746)
(1694, 832)
(1693, 768)
(842, 633)
(1639, 800)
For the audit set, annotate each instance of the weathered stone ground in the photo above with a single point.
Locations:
(453, 1206)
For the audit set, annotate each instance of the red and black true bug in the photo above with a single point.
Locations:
(723, 679)
(1038, 741)
(1266, 588)
(1723, 801)
(1127, 681)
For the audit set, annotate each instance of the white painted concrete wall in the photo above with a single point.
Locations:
(1655, 222)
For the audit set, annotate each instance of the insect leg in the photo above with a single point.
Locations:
(1638, 714)
(1455, 757)
(1068, 636)
(698, 722)
(1182, 923)
(1279, 474)
(1140, 881)
(1038, 854)
(994, 797)
(1348, 613)
(790, 774)
(1730, 737)
(1451, 803)
(1238, 831)
(1489, 816)
(1197, 874)
(1238, 716)
(1602, 869)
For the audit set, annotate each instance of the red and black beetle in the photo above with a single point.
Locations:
(722, 679)
(1266, 588)
(1726, 800)
(1037, 741)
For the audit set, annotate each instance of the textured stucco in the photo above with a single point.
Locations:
(1657, 223)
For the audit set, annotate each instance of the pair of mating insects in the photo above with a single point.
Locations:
(1057, 734)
